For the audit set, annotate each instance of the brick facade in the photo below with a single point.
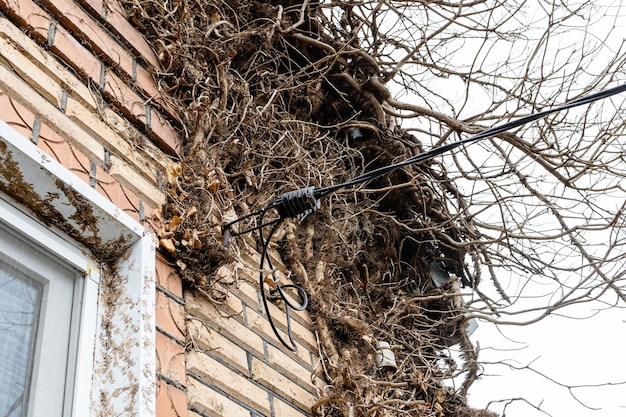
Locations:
(75, 79)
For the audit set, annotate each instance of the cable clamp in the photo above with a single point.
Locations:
(296, 204)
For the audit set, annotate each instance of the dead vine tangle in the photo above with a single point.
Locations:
(275, 96)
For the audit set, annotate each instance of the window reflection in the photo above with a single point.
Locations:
(20, 301)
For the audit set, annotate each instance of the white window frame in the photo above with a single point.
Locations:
(116, 368)
(82, 337)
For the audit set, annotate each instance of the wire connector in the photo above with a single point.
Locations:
(296, 204)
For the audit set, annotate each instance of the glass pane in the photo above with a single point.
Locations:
(20, 301)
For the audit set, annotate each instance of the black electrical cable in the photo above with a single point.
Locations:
(424, 156)
(299, 203)
(277, 292)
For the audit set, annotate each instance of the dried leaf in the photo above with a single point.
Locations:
(172, 172)
(439, 408)
(196, 243)
(156, 214)
(270, 281)
(191, 211)
(214, 185)
(251, 179)
(168, 245)
(440, 396)
(173, 223)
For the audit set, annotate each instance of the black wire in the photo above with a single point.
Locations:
(300, 202)
(278, 292)
(424, 156)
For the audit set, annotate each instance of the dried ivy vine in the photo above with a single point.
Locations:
(272, 97)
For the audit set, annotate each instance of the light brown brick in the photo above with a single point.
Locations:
(244, 271)
(247, 268)
(212, 403)
(84, 142)
(250, 257)
(151, 221)
(118, 193)
(304, 334)
(216, 345)
(167, 277)
(290, 367)
(146, 83)
(62, 151)
(260, 325)
(83, 108)
(230, 304)
(231, 382)
(153, 156)
(227, 326)
(16, 115)
(282, 409)
(229, 301)
(247, 293)
(247, 272)
(46, 62)
(281, 385)
(138, 184)
(303, 316)
(163, 134)
(170, 316)
(131, 104)
(276, 259)
(117, 20)
(33, 75)
(77, 21)
(95, 7)
(50, 115)
(224, 275)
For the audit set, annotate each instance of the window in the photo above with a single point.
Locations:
(65, 349)
(39, 326)
(19, 319)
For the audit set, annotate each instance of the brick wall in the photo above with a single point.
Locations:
(235, 364)
(75, 79)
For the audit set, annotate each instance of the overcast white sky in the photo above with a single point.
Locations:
(573, 352)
